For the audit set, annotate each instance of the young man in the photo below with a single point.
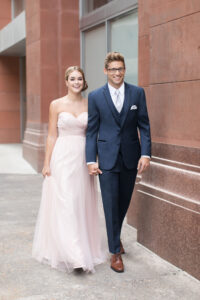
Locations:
(115, 113)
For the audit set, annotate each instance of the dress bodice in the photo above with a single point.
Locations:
(68, 124)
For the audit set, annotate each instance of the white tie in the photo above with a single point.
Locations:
(118, 101)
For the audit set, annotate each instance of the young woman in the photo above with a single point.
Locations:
(67, 234)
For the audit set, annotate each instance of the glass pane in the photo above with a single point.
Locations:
(18, 7)
(95, 52)
(124, 39)
(91, 5)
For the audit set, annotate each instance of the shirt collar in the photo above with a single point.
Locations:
(112, 89)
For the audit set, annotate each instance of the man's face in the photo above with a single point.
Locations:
(115, 73)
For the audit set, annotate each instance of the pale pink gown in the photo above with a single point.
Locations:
(67, 233)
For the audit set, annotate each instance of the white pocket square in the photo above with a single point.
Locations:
(133, 107)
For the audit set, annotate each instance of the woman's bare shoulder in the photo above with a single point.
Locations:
(55, 104)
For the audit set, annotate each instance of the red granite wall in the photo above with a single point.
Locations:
(9, 88)
(52, 44)
(166, 206)
(5, 13)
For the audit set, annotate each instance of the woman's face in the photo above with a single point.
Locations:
(75, 82)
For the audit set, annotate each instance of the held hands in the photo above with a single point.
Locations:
(93, 169)
(46, 171)
(143, 164)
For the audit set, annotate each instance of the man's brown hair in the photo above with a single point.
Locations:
(113, 56)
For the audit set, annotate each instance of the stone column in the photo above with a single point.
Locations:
(52, 44)
(9, 88)
(166, 204)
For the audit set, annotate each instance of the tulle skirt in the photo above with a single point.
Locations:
(67, 233)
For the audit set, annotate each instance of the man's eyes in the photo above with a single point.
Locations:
(77, 78)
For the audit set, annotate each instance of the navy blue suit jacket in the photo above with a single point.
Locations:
(109, 132)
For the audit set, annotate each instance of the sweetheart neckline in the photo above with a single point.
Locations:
(67, 112)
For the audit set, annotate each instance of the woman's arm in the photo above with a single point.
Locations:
(92, 130)
(51, 138)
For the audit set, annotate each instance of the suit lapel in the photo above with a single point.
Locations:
(111, 105)
(126, 105)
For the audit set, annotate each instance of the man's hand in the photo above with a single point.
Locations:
(93, 169)
(143, 164)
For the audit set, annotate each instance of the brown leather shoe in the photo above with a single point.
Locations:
(117, 263)
(122, 251)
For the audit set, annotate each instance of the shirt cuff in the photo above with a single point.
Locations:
(91, 162)
(147, 156)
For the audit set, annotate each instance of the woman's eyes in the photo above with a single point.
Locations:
(80, 79)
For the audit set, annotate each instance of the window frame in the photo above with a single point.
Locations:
(103, 16)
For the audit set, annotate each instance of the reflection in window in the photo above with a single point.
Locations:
(124, 39)
(95, 52)
(94, 4)
(17, 7)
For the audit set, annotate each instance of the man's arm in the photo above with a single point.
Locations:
(145, 135)
(91, 137)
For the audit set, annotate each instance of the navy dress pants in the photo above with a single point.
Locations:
(116, 188)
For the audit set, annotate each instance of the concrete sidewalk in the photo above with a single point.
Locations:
(12, 162)
(146, 276)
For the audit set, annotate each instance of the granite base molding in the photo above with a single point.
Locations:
(34, 144)
(172, 231)
(177, 156)
(165, 206)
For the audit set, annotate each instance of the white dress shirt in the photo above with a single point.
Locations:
(113, 91)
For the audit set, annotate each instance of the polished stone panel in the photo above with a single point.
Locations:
(9, 100)
(32, 26)
(181, 157)
(9, 83)
(5, 13)
(34, 144)
(144, 8)
(174, 113)
(165, 206)
(9, 135)
(144, 60)
(168, 10)
(174, 48)
(170, 230)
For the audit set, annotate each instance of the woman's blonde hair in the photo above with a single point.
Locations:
(76, 68)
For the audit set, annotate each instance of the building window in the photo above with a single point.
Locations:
(124, 39)
(95, 52)
(17, 7)
(105, 30)
(91, 5)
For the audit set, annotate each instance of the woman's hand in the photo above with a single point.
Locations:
(93, 169)
(46, 171)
